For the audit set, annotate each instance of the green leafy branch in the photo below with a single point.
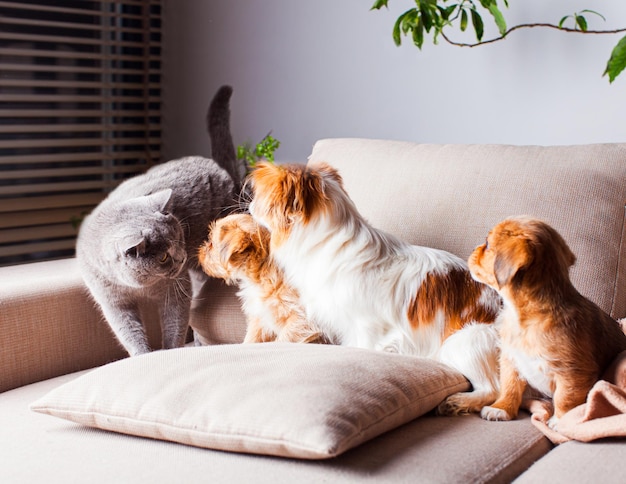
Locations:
(263, 150)
(431, 17)
(580, 21)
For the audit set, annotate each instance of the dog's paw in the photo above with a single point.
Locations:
(495, 414)
(453, 405)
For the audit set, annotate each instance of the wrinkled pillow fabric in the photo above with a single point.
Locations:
(291, 400)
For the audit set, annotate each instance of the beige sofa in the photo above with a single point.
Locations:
(445, 196)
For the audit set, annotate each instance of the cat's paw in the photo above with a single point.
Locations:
(553, 422)
(495, 414)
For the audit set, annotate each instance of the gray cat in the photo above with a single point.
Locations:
(140, 243)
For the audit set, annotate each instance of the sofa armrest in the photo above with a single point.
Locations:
(49, 325)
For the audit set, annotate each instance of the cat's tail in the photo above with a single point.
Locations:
(222, 146)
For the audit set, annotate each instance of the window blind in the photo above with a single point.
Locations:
(80, 102)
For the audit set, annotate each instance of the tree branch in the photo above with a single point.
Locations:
(529, 26)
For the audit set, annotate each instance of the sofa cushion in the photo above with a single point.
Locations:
(307, 401)
(427, 449)
(601, 461)
(449, 196)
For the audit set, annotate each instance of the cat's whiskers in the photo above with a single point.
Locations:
(240, 205)
(241, 202)
(177, 291)
(245, 196)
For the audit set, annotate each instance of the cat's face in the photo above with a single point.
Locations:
(147, 242)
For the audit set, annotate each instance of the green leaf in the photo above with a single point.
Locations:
(409, 22)
(403, 25)
(479, 26)
(463, 20)
(418, 35)
(397, 38)
(447, 12)
(617, 61)
(378, 4)
(426, 16)
(265, 149)
(498, 17)
(580, 21)
(594, 12)
(563, 20)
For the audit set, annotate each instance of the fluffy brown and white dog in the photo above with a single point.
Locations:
(553, 338)
(237, 251)
(369, 289)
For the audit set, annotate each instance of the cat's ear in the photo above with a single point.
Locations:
(160, 201)
(156, 202)
(131, 245)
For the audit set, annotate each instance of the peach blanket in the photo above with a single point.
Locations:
(602, 415)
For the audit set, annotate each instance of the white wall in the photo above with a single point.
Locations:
(328, 68)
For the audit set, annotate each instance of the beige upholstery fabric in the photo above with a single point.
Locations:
(443, 196)
(575, 462)
(307, 401)
(426, 450)
(449, 196)
(48, 324)
(216, 316)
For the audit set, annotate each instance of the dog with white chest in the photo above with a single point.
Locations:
(553, 338)
(369, 289)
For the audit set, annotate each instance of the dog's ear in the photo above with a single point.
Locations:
(516, 253)
(247, 245)
(274, 190)
(262, 169)
(328, 172)
(225, 249)
(226, 241)
(232, 247)
(307, 194)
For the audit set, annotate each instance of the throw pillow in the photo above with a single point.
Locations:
(293, 400)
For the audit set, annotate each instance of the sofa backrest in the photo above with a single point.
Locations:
(450, 196)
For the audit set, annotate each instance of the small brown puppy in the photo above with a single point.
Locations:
(553, 338)
(238, 252)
